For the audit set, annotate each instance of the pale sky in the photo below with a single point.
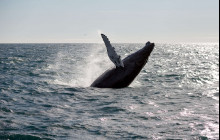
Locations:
(123, 21)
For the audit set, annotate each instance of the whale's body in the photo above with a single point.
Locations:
(120, 77)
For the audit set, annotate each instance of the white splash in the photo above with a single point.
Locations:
(79, 73)
(95, 64)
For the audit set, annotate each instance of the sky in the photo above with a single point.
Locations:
(123, 21)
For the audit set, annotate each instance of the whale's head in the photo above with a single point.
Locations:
(140, 57)
(143, 54)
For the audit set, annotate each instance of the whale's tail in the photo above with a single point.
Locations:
(114, 57)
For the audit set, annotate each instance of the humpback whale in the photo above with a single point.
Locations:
(125, 71)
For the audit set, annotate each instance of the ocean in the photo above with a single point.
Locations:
(45, 93)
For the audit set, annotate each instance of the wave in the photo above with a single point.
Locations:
(20, 137)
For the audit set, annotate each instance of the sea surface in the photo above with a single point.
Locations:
(45, 93)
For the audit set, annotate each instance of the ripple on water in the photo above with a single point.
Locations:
(45, 94)
(20, 137)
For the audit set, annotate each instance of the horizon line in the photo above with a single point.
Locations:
(103, 43)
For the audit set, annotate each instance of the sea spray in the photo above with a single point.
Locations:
(61, 69)
(95, 64)
(84, 71)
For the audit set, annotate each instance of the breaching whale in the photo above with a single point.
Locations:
(124, 71)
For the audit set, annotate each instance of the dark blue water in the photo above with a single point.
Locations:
(45, 93)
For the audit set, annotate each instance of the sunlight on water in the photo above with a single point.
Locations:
(186, 112)
(211, 129)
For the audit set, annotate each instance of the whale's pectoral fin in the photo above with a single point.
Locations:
(114, 57)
